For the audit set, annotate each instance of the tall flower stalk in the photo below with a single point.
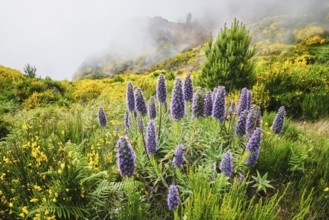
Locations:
(279, 120)
(226, 165)
(102, 120)
(178, 156)
(152, 109)
(151, 139)
(130, 97)
(161, 93)
(177, 101)
(140, 103)
(172, 197)
(254, 146)
(243, 104)
(219, 107)
(125, 157)
(198, 104)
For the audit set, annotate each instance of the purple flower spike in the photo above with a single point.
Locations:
(253, 119)
(130, 96)
(161, 90)
(241, 124)
(249, 99)
(151, 140)
(254, 146)
(178, 156)
(226, 165)
(102, 120)
(177, 101)
(125, 157)
(140, 123)
(207, 104)
(255, 140)
(243, 100)
(172, 197)
(188, 88)
(219, 107)
(140, 102)
(198, 104)
(232, 109)
(152, 109)
(278, 121)
(127, 120)
(252, 159)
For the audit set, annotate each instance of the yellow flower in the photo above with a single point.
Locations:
(59, 171)
(326, 189)
(44, 200)
(22, 215)
(11, 205)
(54, 200)
(36, 187)
(24, 210)
(63, 166)
(34, 200)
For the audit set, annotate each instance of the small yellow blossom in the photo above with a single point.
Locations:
(326, 189)
(38, 188)
(11, 205)
(44, 200)
(24, 210)
(34, 200)
(54, 200)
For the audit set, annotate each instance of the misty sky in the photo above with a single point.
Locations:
(57, 35)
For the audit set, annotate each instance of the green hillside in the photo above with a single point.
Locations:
(72, 150)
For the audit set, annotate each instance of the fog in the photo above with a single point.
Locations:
(57, 36)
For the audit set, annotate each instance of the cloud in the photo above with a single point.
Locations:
(56, 36)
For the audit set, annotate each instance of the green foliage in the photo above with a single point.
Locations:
(228, 59)
(30, 70)
(261, 182)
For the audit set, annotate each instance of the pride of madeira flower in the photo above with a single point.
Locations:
(140, 104)
(172, 197)
(125, 157)
(278, 121)
(177, 101)
(102, 120)
(254, 146)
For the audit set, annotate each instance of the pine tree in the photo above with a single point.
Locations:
(228, 59)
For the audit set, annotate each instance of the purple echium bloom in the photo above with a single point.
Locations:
(243, 101)
(253, 119)
(252, 159)
(140, 123)
(178, 156)
(226, 165)
(207, 104)
(152, 109)
(161, 90)
(177, 101)
(241, 124)
(125, 157)
(198, 104)
(127, 120)
(188, 88)
(130, 96)
(232, 109)
(102, 120)
(249, 99)
(254, 146)
(140, 103)
(172, 197)
(151, 139)
(218, 110)
(255, 140)
(278, 120)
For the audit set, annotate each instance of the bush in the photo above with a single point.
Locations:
(228, 59)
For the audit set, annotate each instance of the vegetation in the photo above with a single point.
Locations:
(228, 59)
(59, 142)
